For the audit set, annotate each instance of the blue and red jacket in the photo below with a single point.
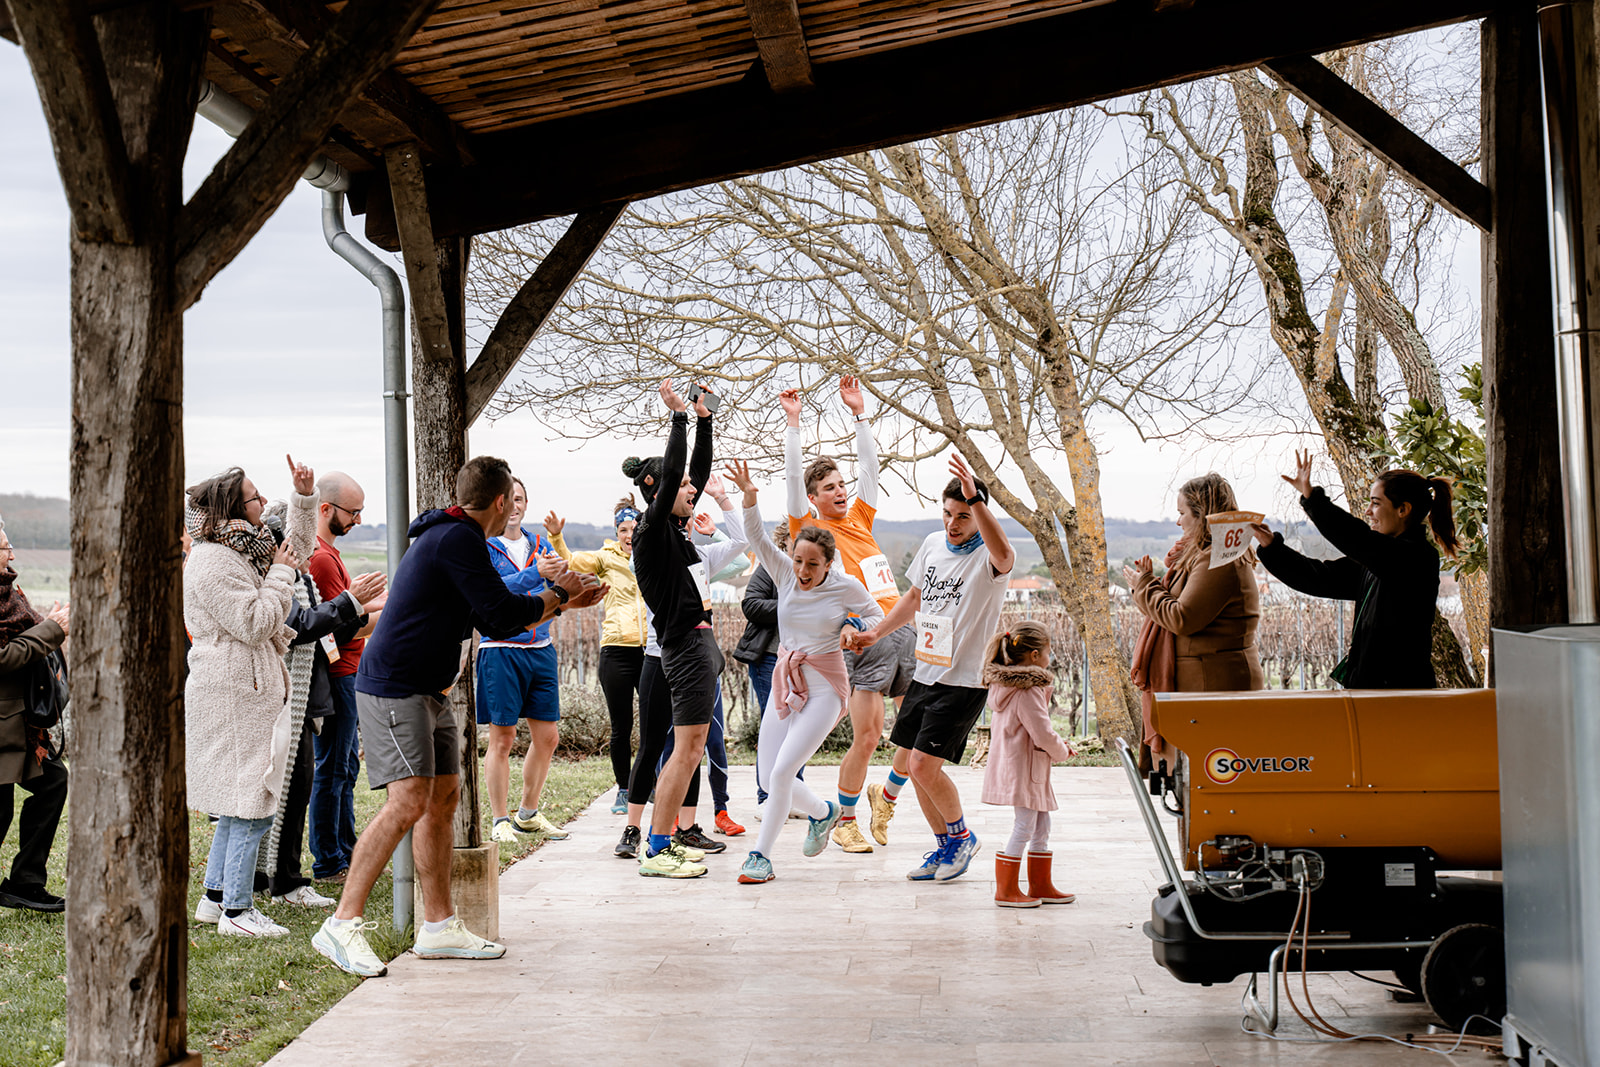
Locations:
(525, 581)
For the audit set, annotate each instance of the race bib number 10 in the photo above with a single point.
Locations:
(877, 577)
(936, 639)
(1230, 535)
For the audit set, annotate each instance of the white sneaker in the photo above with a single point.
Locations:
(306, 897)
(207, 911)
(249, 924)
(346, 945)
(503, 833)
(455, 942)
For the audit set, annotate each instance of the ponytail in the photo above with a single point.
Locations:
(1024, 636)
(1431, 499)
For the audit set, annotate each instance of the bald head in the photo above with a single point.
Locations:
(340, 509)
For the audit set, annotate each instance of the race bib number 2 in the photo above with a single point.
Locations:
(936, 639)
(877, 577)
(698, 573)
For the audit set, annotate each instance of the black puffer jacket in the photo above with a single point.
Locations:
(340, 617)
(760, 606)
(1394, 582)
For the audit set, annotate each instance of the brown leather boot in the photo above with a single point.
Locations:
(1039, 880)
(1007, 870)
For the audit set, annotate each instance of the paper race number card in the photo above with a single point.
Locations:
(1230, 535)
(936, 639)
(330, 647)
(877, 577)
(697, 571)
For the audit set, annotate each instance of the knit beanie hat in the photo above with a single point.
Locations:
(646, 474)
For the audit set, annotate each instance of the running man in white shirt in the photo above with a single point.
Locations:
(809, 684)
(958, 582)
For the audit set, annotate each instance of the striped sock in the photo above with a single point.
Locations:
(943, 839)
(957, 829)
(891, 788)
(847, 805)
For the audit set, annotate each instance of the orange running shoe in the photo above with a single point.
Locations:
(726, 825)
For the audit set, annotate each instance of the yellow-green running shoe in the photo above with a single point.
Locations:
(539, 824)
(671, 862)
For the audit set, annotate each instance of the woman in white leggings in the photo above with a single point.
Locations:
(809, 685)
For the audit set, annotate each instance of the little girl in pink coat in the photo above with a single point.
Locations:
(1022, 746)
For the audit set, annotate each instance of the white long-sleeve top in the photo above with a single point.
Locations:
(713, 558)
(809, 620)
(866, 469)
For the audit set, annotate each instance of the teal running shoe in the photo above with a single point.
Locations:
(817, 833)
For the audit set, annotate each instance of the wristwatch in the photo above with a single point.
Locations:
(981, 498)
(562, 596)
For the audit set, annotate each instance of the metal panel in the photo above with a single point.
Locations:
(1549, 704)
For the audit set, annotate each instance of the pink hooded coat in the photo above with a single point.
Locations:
(1022, 743)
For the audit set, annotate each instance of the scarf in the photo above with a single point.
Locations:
(16, 613)
(254, 543)
(967, 547)
(1155, 658)
(789, 689)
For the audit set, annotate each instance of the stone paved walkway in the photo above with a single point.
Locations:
(840, 960)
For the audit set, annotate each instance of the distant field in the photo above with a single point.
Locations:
(43, 573)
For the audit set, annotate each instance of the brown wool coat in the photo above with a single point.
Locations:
(17, 760)
(1213, 614)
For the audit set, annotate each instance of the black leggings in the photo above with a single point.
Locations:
(655, 726)
(620, 666)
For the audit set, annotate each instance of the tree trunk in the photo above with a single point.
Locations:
(1475, 612)
(127, 930)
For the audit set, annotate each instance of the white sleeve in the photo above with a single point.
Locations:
(768, 554)
(794, 477)
(866, 464)
(719, 555)
(861, 602)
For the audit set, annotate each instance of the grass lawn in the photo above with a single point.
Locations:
(247, 999)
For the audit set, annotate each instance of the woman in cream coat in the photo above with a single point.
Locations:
(237, 587)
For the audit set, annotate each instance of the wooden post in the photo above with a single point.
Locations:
(1527, 551)
(119, 97)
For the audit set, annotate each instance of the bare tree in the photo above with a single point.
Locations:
(1343, 214)
(991, 289)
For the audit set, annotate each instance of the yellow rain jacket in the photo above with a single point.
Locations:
(624, 623)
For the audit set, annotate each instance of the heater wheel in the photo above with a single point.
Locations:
(1464, 974)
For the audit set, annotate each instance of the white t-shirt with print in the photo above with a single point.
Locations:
(960, 612)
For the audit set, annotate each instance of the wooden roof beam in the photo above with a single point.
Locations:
(1385, 137)
(562, 166)
(527, 311)
(781, 40)
(409, 187)
(263, 165)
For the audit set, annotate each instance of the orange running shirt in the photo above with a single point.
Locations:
(852, 534)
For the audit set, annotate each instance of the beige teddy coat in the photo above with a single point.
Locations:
(238, 685)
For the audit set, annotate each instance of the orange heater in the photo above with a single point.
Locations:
(1330, 816)
(1341, 768)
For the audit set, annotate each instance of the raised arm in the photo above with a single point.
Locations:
(794, 480)
(768, 554)
(1379, 553)
(1001, 555)
(700, 462)
(658, 510)
(866, 445)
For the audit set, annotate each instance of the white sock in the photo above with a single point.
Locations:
(336, 922)
(438, 927)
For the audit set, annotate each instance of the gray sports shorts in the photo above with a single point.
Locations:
(407, 737)
(887, 666)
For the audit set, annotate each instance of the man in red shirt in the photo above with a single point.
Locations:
(336, 748)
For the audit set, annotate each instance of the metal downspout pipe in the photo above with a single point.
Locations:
(232, 117)
(1577, 390)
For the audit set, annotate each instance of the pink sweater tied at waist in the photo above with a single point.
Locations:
(789, 688)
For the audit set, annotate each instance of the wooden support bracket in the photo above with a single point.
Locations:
(539, 295)
(247, 185)
(64, 52)
(1385, 137)
(781, 41)
(410, 191)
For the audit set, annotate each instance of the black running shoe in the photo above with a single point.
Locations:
(693, 837)
(628, 847)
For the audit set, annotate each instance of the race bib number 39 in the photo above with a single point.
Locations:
(1230, 535)
(936, 639)
(877, 577)
(698, 573)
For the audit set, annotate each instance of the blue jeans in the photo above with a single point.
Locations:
(761, 682)
(231, 867)
(716, 753)
(333, 785)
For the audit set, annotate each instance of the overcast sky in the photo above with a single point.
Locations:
(282, 355)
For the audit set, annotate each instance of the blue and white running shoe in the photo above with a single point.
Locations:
(958, 858)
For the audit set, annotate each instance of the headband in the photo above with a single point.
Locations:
(625, 514)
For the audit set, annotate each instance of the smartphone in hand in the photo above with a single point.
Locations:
(713, 401)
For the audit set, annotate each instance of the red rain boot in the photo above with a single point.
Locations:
(1039, 880)
(1007, 870)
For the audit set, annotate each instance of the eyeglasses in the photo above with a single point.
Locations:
(259, 498)
(356, 514)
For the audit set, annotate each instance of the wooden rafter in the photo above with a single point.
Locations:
(782, 43)
(567, 165)
(410, 190)
(247, 185)
(539, 295)
(1385, 136)
(64, 52)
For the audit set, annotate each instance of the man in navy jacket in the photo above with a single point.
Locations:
(443, 590)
